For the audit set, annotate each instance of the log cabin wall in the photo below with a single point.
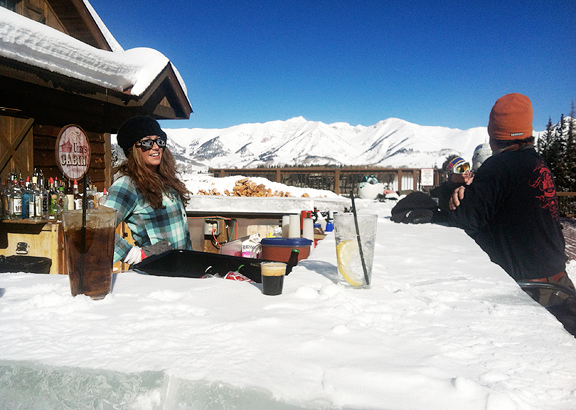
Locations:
(25, 146)
(16, 145)
(40, 11)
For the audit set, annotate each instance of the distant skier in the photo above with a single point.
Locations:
(481, 153)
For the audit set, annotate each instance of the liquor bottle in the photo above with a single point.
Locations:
(44, 206)
(292, 261)
(10, 193)
(69, 196)
(16, 200)
(44, 196)
(62, 202)
(53, 209)
(25, 198)
(3, 201)
(34, 214)
(32, 199)
(35, 200)
(77, 196)
(97, 197)
(8, 199)
(103, 198)
(90, 195)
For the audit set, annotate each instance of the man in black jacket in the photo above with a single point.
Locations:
(510, 209)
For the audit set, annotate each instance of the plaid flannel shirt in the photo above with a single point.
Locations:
(147, 225)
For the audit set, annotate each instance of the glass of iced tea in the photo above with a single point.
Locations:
(89, 250)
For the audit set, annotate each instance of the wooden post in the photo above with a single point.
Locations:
(107, 160)
(337, 181)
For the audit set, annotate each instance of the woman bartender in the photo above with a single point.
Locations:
(148, 195)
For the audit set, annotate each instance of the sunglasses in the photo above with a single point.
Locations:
(461, 168)
(146, 145)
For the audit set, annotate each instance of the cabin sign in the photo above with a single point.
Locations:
(73, 152)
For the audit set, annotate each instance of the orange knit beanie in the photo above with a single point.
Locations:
(511, 118)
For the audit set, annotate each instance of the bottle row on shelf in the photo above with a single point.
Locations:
(39, 199)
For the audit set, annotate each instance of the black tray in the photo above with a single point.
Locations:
(193, 264)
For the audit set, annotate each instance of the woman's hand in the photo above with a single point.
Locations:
(158, 248)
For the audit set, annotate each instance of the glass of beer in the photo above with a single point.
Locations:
(272, 277)
(89, 250)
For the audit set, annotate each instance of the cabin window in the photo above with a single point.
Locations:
(9, 4)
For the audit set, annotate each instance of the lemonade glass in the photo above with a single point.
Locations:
(347, 248)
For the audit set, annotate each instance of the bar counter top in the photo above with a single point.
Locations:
(441, 328)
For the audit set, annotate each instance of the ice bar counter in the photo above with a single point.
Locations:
(440, 328)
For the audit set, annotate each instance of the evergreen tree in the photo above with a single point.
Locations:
(557, 154)
(572, 123)
(557, 145)
(545, 142)
(570, 157)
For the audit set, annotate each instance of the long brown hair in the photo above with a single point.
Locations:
(153, 184)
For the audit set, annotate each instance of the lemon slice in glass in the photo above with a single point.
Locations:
(347, 255)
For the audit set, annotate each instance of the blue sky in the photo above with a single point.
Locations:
(437, 62)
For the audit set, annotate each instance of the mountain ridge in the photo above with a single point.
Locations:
(392, 142)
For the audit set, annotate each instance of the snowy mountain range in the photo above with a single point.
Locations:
(389, 143)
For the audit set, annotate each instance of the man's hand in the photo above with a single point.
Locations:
(456, 197)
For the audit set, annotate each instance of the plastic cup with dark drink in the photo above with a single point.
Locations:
(89, 250)
(272, 277)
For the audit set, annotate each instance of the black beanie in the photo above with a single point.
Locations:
(135, 129)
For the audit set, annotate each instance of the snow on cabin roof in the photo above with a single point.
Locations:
(29, 42)
(110, 39)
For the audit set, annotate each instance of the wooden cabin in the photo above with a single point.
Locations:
(38, 98)
(36, 102)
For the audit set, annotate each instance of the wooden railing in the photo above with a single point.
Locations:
(344, 180)
(338, 180)
(567, 203)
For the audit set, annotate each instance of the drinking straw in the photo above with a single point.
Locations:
(82, 239)
(359, 240)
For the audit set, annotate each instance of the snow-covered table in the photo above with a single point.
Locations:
(255, 205)
(441, 328)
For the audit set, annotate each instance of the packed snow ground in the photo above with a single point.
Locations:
(441, 328)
